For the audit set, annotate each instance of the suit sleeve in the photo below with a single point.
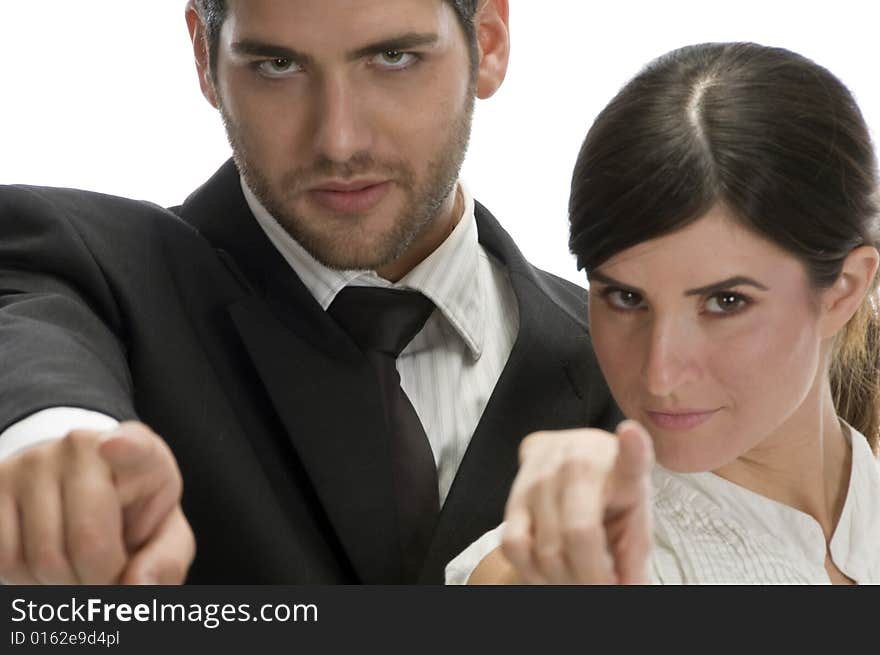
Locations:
(61, 335)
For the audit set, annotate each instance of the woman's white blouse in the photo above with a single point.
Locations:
(708, 530)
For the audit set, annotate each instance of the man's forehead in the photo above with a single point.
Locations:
(345, 24)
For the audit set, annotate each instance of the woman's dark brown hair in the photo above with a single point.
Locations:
(769, 134)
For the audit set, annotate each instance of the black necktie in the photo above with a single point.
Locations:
(382, 322)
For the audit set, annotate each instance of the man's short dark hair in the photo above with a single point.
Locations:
(213, 13)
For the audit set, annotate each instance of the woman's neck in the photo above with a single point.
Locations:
(805, 464)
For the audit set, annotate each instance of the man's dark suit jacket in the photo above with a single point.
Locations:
(192, 322)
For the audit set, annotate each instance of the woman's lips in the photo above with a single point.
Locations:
(350, 201)
(680, 420)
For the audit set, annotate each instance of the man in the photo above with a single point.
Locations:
(234, 339)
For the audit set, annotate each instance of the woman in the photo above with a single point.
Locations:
(725, 207)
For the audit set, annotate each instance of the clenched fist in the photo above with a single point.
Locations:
(94, 508)
(579, 509)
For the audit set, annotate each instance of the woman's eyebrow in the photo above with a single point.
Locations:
(735, 281)
(596, 276)
(709, 289)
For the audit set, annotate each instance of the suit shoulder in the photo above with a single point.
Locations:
(565, 292)
(86, 209)
(104, 224)
(571, 298)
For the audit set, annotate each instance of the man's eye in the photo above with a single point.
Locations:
(395, 59)
(726, 302)
(278, 67)
(623, 299)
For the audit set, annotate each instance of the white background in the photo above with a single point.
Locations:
(102, 95)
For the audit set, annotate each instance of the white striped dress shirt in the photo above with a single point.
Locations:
(448, 370)
(708, 530)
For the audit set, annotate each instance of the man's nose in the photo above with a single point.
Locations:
(671, 360)
(342, 128)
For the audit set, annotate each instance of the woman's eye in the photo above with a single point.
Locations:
(622, 299)
(395, 59)
(725, 302)
(278, 67)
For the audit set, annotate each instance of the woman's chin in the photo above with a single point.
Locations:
(687, 458)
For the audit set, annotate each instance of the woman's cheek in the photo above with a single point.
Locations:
(619, 353)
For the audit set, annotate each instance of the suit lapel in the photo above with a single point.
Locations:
(321, 386)
(549, 382)
(323, 390)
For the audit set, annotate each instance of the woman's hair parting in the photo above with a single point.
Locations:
(773, 137)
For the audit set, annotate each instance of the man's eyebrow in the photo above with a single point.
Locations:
(256, 48)
(401, 42)
(707, 290)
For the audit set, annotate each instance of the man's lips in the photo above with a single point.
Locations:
(683, 419)
(350, 197)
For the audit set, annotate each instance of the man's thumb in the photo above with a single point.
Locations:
(166, 557)
(146, 477)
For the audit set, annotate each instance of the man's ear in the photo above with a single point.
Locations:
(842, 299)
(200, 51)
(491, 22)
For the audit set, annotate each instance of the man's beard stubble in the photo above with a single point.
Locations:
(346, 251)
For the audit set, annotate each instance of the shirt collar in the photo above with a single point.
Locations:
(856, 535)
(448, 276)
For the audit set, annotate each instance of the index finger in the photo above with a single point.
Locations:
(628, 519)
(635, 459)
(93, 524)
